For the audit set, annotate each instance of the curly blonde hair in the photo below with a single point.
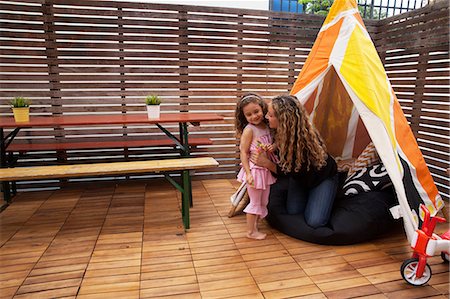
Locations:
(240, 120)
(299, 143)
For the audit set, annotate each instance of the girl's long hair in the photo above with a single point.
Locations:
(299, 143)
(240, 120)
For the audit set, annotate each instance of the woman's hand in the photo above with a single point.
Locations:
(271, 148)
(260, 158)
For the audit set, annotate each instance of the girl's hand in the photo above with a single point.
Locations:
(250, 180)
(260, 146)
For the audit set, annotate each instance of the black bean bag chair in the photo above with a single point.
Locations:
(357, 216)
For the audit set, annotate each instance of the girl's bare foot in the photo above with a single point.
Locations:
(256, 235)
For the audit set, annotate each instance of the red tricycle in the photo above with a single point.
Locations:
(425, 244)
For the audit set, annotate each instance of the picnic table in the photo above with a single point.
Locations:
(181, 141)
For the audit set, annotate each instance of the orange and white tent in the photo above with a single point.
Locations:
(344, 87)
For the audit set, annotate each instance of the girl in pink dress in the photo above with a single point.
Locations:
(255, 136)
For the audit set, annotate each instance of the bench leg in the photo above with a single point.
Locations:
(185, 189)
(186, 198)
(4, 163)
(6, 192)
(191, 202)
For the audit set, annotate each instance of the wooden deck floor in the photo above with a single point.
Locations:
(127, 241)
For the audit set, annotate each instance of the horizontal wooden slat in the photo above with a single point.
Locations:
(21, 147)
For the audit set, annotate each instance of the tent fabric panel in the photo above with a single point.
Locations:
(420, 174)
(332, 114)
(339, 7)
(364, 72)
(362, 139)
(318, 58)
(309, 104)
(357, 16)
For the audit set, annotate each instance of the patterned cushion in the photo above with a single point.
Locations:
(344, 165)
(368, 157)
(367, 179)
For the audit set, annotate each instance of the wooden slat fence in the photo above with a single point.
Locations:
(92, 57)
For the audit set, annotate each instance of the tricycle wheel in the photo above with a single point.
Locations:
(445, 256)
(409, 270)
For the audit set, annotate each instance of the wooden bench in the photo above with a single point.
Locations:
(98, 169)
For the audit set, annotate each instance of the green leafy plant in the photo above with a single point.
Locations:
(152, 100)
(322, 7)
(20, 102)
(319, 7)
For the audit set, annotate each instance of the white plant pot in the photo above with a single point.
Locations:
(153, 111)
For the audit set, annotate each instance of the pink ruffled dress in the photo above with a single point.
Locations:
(262, 177)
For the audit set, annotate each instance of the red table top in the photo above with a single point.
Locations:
(110, 119)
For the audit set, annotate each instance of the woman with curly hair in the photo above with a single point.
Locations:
(303, 162)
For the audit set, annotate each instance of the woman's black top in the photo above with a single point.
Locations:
(311, 178)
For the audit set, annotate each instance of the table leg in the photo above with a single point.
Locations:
(184, 139)
(186, 153)
(11, 163)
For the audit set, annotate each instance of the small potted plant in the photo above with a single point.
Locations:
(153, 106)
(21, 109)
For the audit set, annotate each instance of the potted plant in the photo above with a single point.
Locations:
(21, 109)
(153, 106)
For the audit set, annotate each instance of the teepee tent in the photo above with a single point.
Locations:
(344, 87)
